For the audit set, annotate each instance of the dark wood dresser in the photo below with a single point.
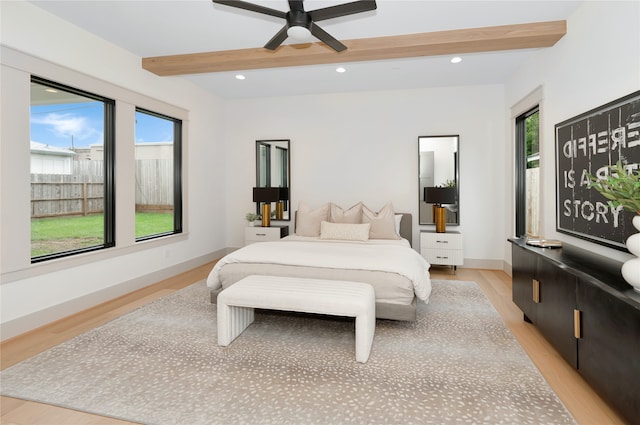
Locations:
(584, 308)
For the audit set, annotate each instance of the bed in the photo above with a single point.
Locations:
(398, 274)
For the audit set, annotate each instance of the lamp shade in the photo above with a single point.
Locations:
(284, 194)
(266, 194)
(440, 195)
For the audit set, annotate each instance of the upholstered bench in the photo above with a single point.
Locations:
(331, 297)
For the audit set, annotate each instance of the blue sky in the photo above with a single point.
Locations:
(78, 125)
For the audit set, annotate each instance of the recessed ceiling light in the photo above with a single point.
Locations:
(457, 59)
(51, 90)
(240, 77)
(341, 69)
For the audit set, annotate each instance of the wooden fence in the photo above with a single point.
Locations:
(533, 201)
(82, 192)
(154, 185)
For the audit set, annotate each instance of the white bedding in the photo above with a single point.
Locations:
(391, 256)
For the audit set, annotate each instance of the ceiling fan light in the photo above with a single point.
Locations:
(299, 33)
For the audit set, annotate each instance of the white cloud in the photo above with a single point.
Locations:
(67, 125)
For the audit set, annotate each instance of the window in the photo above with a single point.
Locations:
(528, 174)
(72, 155)
(158, 208)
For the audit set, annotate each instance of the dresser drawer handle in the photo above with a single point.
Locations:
(442, 241)
(261, 234)
(446, 258)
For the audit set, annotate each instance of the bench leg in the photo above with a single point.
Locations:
(365, 330)
(232, 321)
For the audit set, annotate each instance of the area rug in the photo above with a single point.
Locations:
(160, 364)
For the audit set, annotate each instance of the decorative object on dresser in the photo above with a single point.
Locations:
(442, 248)
(264, 234)
(590, 144)
(439, 196)
(622, 188)
(581, 304)
(631, 268)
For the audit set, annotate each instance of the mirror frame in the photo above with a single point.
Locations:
(267, 168)
(425, 211)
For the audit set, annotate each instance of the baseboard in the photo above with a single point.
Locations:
(508, 269)
(483, 264)
(32, 321)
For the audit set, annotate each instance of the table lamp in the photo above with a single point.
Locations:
(439, 196)
(266, 195)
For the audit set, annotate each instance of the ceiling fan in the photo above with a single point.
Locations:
(300, 23)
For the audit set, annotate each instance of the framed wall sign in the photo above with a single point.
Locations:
(589, 143)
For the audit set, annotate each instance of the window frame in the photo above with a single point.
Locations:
(109, 142)
(177, 174)
(521, 169)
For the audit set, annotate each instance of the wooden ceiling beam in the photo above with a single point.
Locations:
(472, 40)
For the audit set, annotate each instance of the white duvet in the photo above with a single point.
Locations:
(389, 258)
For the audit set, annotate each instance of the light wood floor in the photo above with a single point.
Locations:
(582, 402)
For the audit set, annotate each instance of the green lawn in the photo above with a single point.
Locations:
(58, 234)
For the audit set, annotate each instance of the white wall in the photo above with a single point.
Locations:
(596, 62)
(355, 147)
(34, 41)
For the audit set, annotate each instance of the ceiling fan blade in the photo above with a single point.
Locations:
(277, 39)
(343, 10)
(327, 38)
(252, 7)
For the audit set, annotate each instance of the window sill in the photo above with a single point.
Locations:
(38, 269)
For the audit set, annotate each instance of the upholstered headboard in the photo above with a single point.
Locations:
(406, 226)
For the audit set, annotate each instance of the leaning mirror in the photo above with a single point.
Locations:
(438, 168)
(273, 170)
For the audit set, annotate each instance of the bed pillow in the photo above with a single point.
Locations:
(383, 223)
(398, 219)
(308, 220)
(352, 215)
(344, 231)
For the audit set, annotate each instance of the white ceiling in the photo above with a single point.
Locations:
(167, 27)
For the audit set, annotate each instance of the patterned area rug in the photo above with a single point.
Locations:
(160, 364)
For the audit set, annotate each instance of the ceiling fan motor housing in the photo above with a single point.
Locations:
(299, 24)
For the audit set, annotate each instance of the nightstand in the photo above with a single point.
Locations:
(444, 249)
(264, 234)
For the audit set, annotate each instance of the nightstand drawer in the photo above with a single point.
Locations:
(264, 234)
(445, 257)
(442, 241)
